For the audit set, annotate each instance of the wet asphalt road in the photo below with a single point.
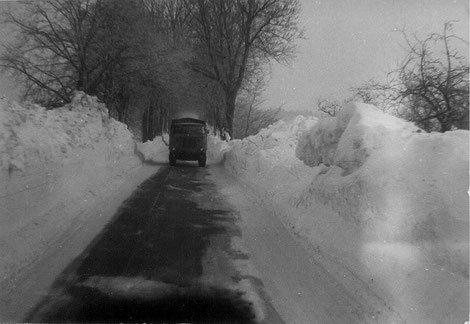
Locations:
(148, 264)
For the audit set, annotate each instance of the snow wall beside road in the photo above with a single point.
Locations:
(376, 197)
(53, 164)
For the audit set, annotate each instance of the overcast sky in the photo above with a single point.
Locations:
(347, 43)
(351, 41)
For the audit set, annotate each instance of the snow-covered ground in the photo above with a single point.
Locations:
(63, 173)
(381, 204)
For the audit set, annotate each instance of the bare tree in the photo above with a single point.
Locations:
(53, 48)
(250, 118)
(430, 87)
(68, 45)
(109, 48)
(171, 17)
(233, 38)
(125, 50)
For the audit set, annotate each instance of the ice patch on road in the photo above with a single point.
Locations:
(249, 274)
(171, 187)
(130, 287)
(139, 288)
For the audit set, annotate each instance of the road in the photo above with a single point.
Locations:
(169, 255)
(194, 245)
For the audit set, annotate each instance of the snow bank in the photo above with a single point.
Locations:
(268, 162)
(380, 203)
(155, 151)
(52, 164)
(216, 149)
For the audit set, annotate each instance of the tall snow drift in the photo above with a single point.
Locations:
(52, 163)
(375, 196)
(32, 135)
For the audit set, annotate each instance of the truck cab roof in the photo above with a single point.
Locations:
(188, 121)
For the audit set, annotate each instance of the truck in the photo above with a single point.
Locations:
(188, 141)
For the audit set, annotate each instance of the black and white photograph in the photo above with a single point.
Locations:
(234, 161)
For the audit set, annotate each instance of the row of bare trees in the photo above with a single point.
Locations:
(235, 38)
(65, 45)
(104, 48)
(149, 59)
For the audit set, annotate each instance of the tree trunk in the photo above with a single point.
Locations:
(148, 127)
(151, 123)
(249, 116)
(120, 115)
(82, 81)
(445, 126)
(230, 98)
(145, 126)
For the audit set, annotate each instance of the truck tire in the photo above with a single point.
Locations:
(172, 159)
(202, 161)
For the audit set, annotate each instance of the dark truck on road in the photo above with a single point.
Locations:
(188, 140)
